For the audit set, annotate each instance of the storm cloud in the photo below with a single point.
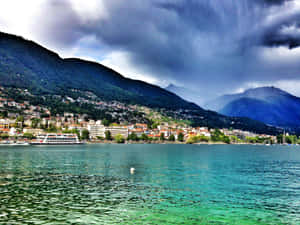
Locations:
(211, 46)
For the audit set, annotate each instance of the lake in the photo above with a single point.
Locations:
(172, 184)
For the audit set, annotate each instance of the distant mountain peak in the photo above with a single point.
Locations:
(171, 87)
(185, 92)
(266, 90)
(270, 105)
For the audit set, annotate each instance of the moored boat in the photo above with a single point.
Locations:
(12, 143)
(20, 143)
(56, 139)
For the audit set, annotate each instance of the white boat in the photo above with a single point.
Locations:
(56, 139)
(12, 143)
(5, 143)
(21, 143)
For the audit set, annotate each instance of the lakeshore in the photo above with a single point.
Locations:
(171, 143)
(96, 132)
(22, 120)
(26, 143)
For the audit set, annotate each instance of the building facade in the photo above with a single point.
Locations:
(117, 130)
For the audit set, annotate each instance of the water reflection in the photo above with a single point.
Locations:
(50, 197)
(172, 184)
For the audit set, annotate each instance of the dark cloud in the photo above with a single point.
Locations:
(275, 39)
(198, 16)
(274, 2)
(59, 24)
(284, 33)
(208, 45)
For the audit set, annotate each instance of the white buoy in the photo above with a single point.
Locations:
(132, 170)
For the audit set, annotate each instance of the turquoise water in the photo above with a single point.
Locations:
(172, 184)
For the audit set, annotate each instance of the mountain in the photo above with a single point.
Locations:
(267, 104)
(184, 93)
(25, 64)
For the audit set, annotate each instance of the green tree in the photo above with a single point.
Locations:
(251, 140)
(279, 138)
(4, 136)
(35, 122)
(108, 135)
(85, 135)
(291, 139)
(119, 138)
(171, 138)
(234, 139)
(203, 138)
(144, 137)
(180, 137)
(20, 119)
(192, 139)
(162, 137)
(51, 128)
(154, 125)
(105, 122)
(28, 135)
(3, 114)
(217, 135)
(150, 138)
(44, 115)
(226, 139)
(133, 137)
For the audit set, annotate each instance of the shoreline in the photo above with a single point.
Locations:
(170, 142)
(157, 142)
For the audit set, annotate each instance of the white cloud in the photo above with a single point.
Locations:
(91, 9)
(18, 16)
(292, 86)
(281, 55)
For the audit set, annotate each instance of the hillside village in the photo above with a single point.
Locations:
(25, 116)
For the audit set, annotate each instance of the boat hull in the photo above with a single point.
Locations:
(56, 143)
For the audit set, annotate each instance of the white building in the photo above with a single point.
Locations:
(204, 131)
(96, 129)
(117, 130)
(5, 123)
(33, 131)
(12, 131)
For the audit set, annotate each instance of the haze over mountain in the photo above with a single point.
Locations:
(185, 93)
(267, 104)
(26, 64)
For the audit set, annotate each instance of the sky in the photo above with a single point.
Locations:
(212, 47)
